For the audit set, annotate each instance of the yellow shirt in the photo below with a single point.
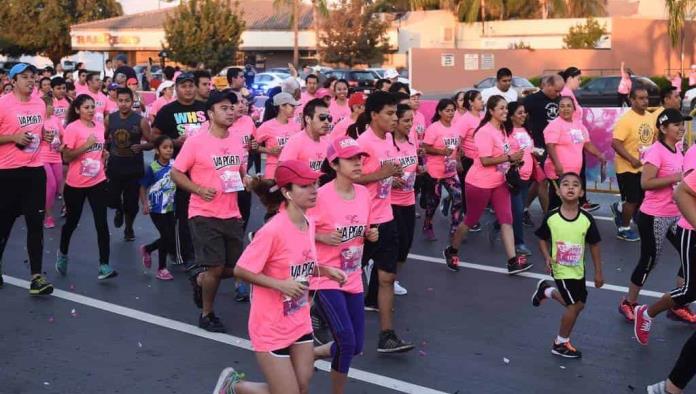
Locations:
(637, 132)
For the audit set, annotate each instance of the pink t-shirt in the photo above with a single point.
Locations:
(440, 136)
(659, 202)
(21, 116)
(625, 83)
(352, 218)
(338, 111)
(408, 157)
(87, 169)
(157, 106)
(340, 129)
(521, 140)
(99, 106)
(214, 163)
(690, 159)
(50, 151)
(465, 126)
(380, 151)
(281, 251)
(60, 108)
(111, 106)
(570, 139)
(458, 114)
(419, 125)
(301, 147)
(274, 134)
(689, 180)
(491, 142)
(81, 89)
(245, 127)
(577, 114)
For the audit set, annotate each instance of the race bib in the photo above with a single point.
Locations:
(642, 149)
(292, 305)
(577, 136)
(90, 167)
(409, 179)
(231, 181)
(568, 254)
(351, 259)
(33, 144)
(384, 188)
(450, 166)
(55, 143)
(523, 140)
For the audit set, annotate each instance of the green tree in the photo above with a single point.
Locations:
(585, 8)
(42, 27)
(206, 31)
(584, 36)
(678, 12)
(352, 34)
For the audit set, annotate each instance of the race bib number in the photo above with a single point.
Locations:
(384, 188)
(33, 145)
(351, 259)
(568, 254)
(450, 166)
(409, 179)
(523, 140)
(231, 181)
(577, 136)
(292, 305)
(90, 167)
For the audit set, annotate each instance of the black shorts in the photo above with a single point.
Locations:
(385, 251)
(217, 242)
(285, 352)
(405, 218)
(572, 290)
(629, 186)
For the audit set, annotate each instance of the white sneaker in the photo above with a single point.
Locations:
(368, 271)
(398, 289)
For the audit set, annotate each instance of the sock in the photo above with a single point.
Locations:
(560, 340)
(624, 228)
(548, 293)
(645, 314)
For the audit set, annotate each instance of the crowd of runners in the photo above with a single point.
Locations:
(339, 176)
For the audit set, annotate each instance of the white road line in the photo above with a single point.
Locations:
(367, 377)
(605, 218)
(532, 275)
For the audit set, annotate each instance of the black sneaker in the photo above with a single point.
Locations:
(118, 219)
(2, 281)
(320, 330)
(527, 219)
(197, 289)
(40, 286)
(129, 235)
(451, 258)
(390, 343)
(539, 294)
(565, 350)
(211, 323)
(518, 264)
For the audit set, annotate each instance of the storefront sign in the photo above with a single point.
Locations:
(106, 39)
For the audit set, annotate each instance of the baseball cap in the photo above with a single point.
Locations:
(323, 92)
(113, 86)
(343, 148)
(415, 92)
(184, 77)
(391, 73)
(296, 172)
(357, 98)
(671, 115)
(20, 68)
(164, 85)
(216, 97)
(284, 98)
(289, 85)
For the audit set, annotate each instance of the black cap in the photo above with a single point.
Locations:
(184, 77)
(216, 97)
(671, 115)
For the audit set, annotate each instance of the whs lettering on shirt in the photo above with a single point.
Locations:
(188, 123)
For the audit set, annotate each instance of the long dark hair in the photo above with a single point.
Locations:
(512, 107)
(490, 105)
(441, 105)
(470, 96)
(401, 110)
(375, 103)
(454, 98)
(328, 174)
(75, 106)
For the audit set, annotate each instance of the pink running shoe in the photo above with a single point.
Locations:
(164, 274)
(147, 258)
(642, 325)
(49, 222)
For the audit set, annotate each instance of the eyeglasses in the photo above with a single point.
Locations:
(325, 117)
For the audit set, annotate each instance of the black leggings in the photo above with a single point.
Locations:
(74, 198)
(685, 368)
(166, 243)
(244, 202)
(123, 196)
(183, 235)
(653, 232)
(405, 217)
(687, 251)
(24, 193)
(467, 163)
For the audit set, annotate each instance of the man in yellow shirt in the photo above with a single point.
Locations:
(633, 134)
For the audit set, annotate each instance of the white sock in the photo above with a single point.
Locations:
(645, 314)
(624, 228)
(560, 339)
(548, 293)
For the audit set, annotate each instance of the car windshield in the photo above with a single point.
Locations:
(521, 83)
(363, 76)
(379, 72)
(486, 83)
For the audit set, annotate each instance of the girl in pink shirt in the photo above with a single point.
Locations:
(419, 124)
(273, 134)
(459, 102)
(339, 107)
(83, 150)
(166, 97)
(658, 215)
(466, 124)
(441, 144)
(278, 263)
(625, 85)
(566, 141)
(571, 77)
(50, 155)
(485, 183)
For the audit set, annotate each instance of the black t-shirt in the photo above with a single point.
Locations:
(124, 133)
(176, 119)
(128, 71)
(541, 110)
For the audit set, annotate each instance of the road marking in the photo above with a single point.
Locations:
(531, 275)
(241, 343)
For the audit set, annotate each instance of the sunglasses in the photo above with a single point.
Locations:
(325, 117)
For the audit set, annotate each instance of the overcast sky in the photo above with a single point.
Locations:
(133, 6)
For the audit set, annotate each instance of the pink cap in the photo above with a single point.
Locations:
(343, 148)
(131, 81)
(296, 172)
(323, 92)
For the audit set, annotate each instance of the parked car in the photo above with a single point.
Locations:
(689, 100)
(402, 74)
(602, 91)
(520, 84)
(358, 80)
(263, 82)
(220, 80)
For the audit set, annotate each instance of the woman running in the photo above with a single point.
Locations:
(50, 155)
(339, 108)
(273, 134)
(278, 263)
(658, 214)
(459, 102)
(342, 217)
(466, 124)
(485, 183)
(441, 143)
(83, 150)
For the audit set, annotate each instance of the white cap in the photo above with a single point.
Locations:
(162, 86)
(391, 73)
(416, 92)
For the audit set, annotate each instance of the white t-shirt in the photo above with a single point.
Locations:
(510, 95)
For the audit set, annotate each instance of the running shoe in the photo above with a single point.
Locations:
(682, 314)
(49, 222)
(641, 325)
(106, 272)
(368, 270)
(518, 264)
(429, 234)
(418, 215)
(539, 294)
(389, 342)
(250, 236)
(211, 323)
(320, 330)
(446, 206)
(40, 286)
(197, 289)
(627, 234)
(475, 228)
(626, 310)
(242, 292)
(616, 213)
(566, 350)
(164, 274)
(147, 258)
(398, 289)
(590, 206)
(523, 250)
(227, 380)
(63, 211)
(527, 219)
(658, 388)
(371, 308)
(451, 258)
(62, 264)
(118, 218)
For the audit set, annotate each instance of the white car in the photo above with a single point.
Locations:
(689, 100)
(381, 71)
(263, 82)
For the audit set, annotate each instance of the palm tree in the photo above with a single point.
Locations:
(585, 8)
(678, 12)
(320, 10)
(294, 5)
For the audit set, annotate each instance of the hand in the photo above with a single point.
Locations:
(206, 193)
(335, 274)
(398, 183)
(291, 288)
(333, 238)
(48, 136)
(254, 145)
(635, 163)
(146, 209)
(447, 151)
(602, 159)
(598, 280)
(517, 156)
(372, 234)
(677, 177)
(91, 140)
(558, 169)
(275, 151)
(246, 181)
(22, 138)
(390, 169)
(548, 265)
(136, 148)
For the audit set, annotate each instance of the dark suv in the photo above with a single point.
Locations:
(602, 91)
(358, 80)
